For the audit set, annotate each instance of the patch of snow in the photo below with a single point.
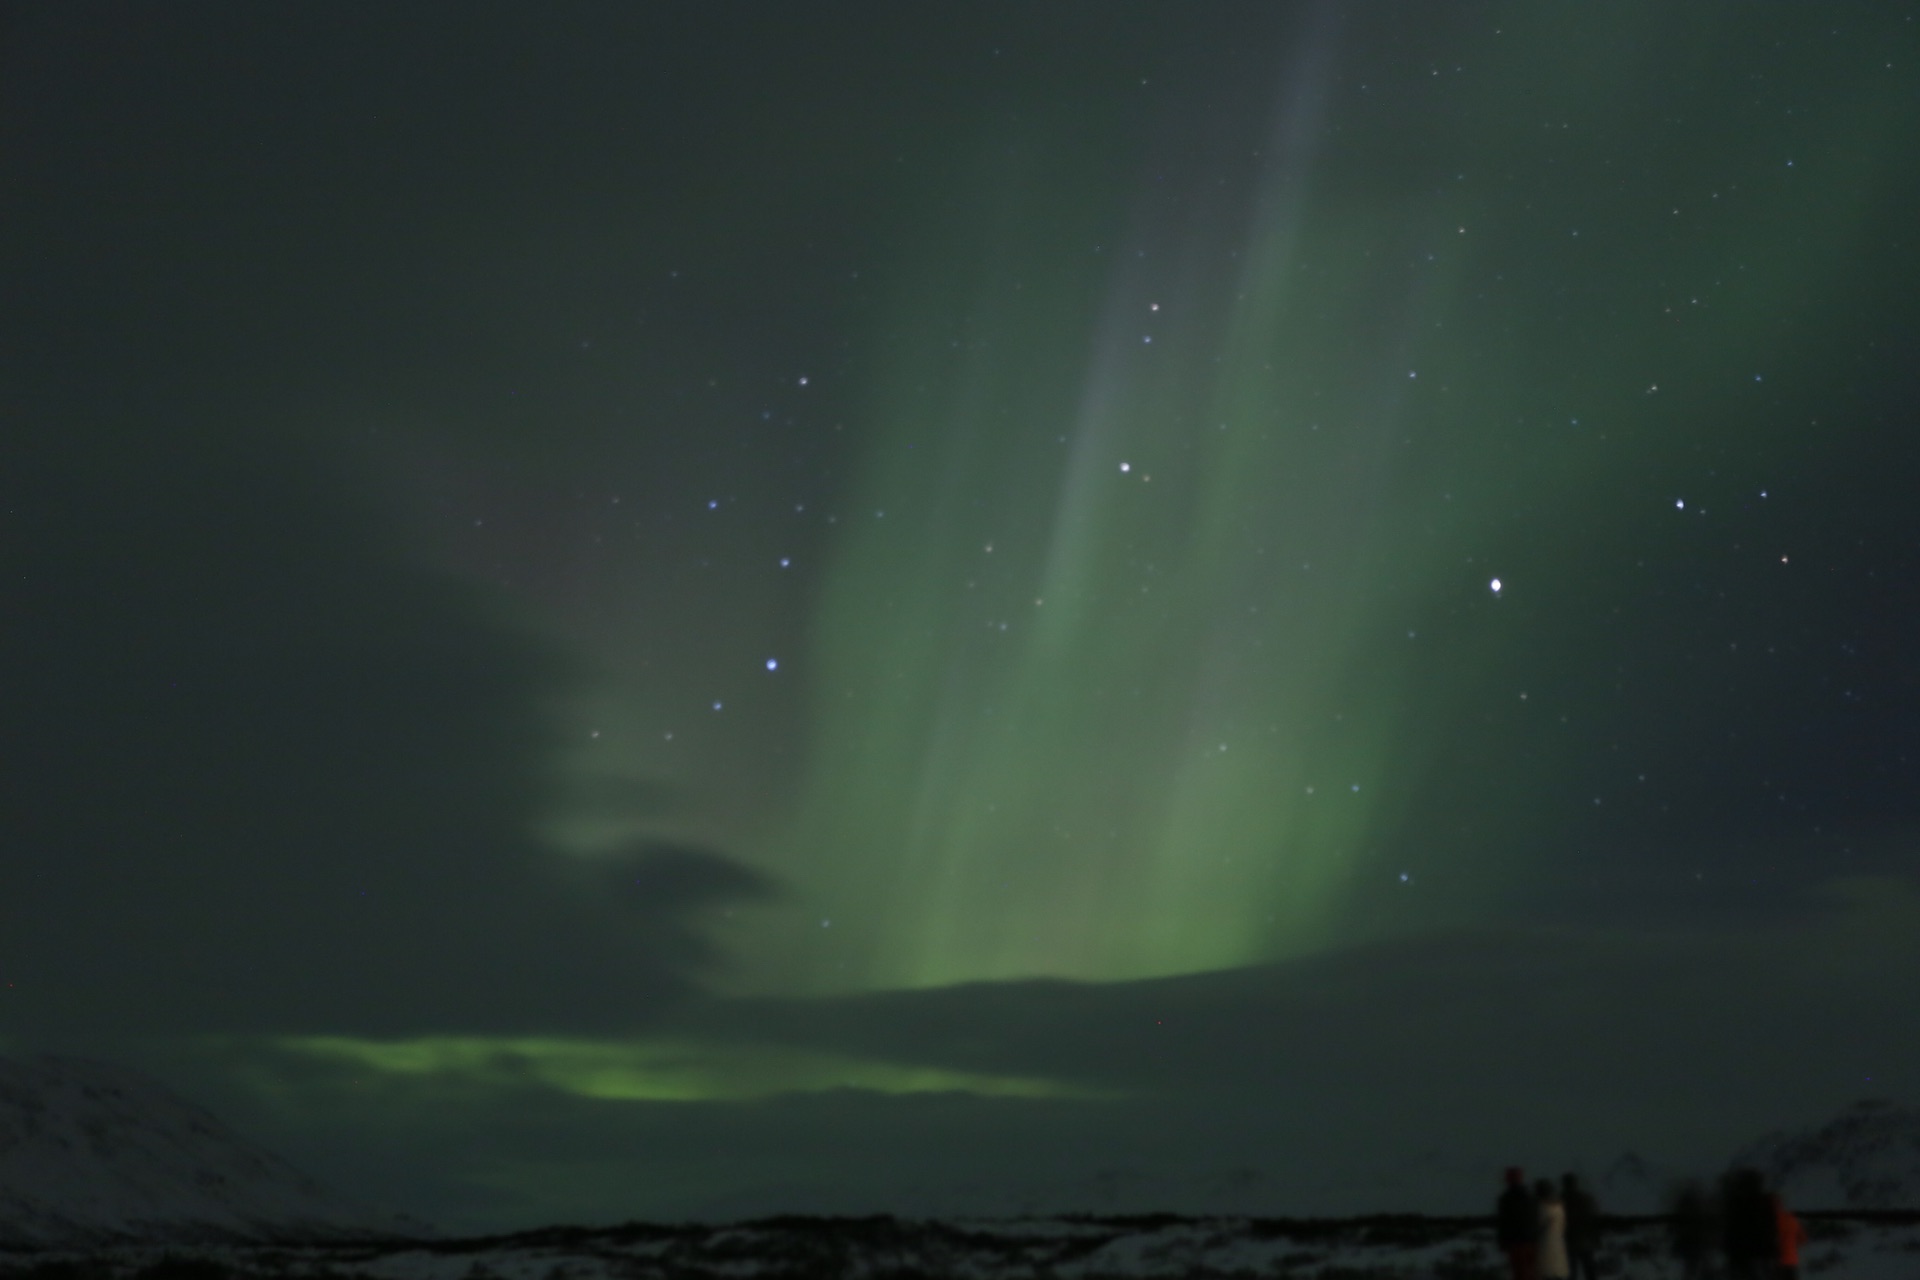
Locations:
(1158, 1247)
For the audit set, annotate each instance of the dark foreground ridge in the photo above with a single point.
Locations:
(1067, 1247)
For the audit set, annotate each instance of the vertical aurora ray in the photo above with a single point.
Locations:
(1115, 670)
(1083, 698)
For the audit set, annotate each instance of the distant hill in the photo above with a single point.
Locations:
(92, 1153)
(1867, 1157)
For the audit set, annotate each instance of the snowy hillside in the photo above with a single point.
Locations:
(1159, 1247)
(93, 1153)
(1867, 1157)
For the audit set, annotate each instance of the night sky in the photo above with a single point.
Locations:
(643, 610)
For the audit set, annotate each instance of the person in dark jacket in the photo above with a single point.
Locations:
(1517, 1226)
(1583, 1227)
(1748, 1234)
(1692, 1224)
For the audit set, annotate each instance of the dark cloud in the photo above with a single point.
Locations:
(671, 887)
(265, 773)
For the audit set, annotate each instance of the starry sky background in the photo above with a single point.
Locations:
(659, 610)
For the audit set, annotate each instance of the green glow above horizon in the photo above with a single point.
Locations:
(660, 1069)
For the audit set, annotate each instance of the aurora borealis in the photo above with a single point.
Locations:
(1163, 565)
(691, 579)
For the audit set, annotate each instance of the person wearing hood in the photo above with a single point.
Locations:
(1517, 1226)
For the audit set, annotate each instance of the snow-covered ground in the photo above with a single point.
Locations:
(1072, 1248)
(105, 1175)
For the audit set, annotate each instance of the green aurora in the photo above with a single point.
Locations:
(610, 594)
(1167, 580)
(653, 1070)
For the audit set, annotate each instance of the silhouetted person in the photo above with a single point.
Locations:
(1692, 1226)
(1517, 1227)
(1788, 1236)
(1553, 1232)
(1583, 1228)
(1747, 1232)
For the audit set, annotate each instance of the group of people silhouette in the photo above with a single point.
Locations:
(1548, 1232)
(1759, 1236)
(1553, 1232)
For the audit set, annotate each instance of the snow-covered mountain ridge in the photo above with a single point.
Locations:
(1867, 1157)
(92, 1153)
